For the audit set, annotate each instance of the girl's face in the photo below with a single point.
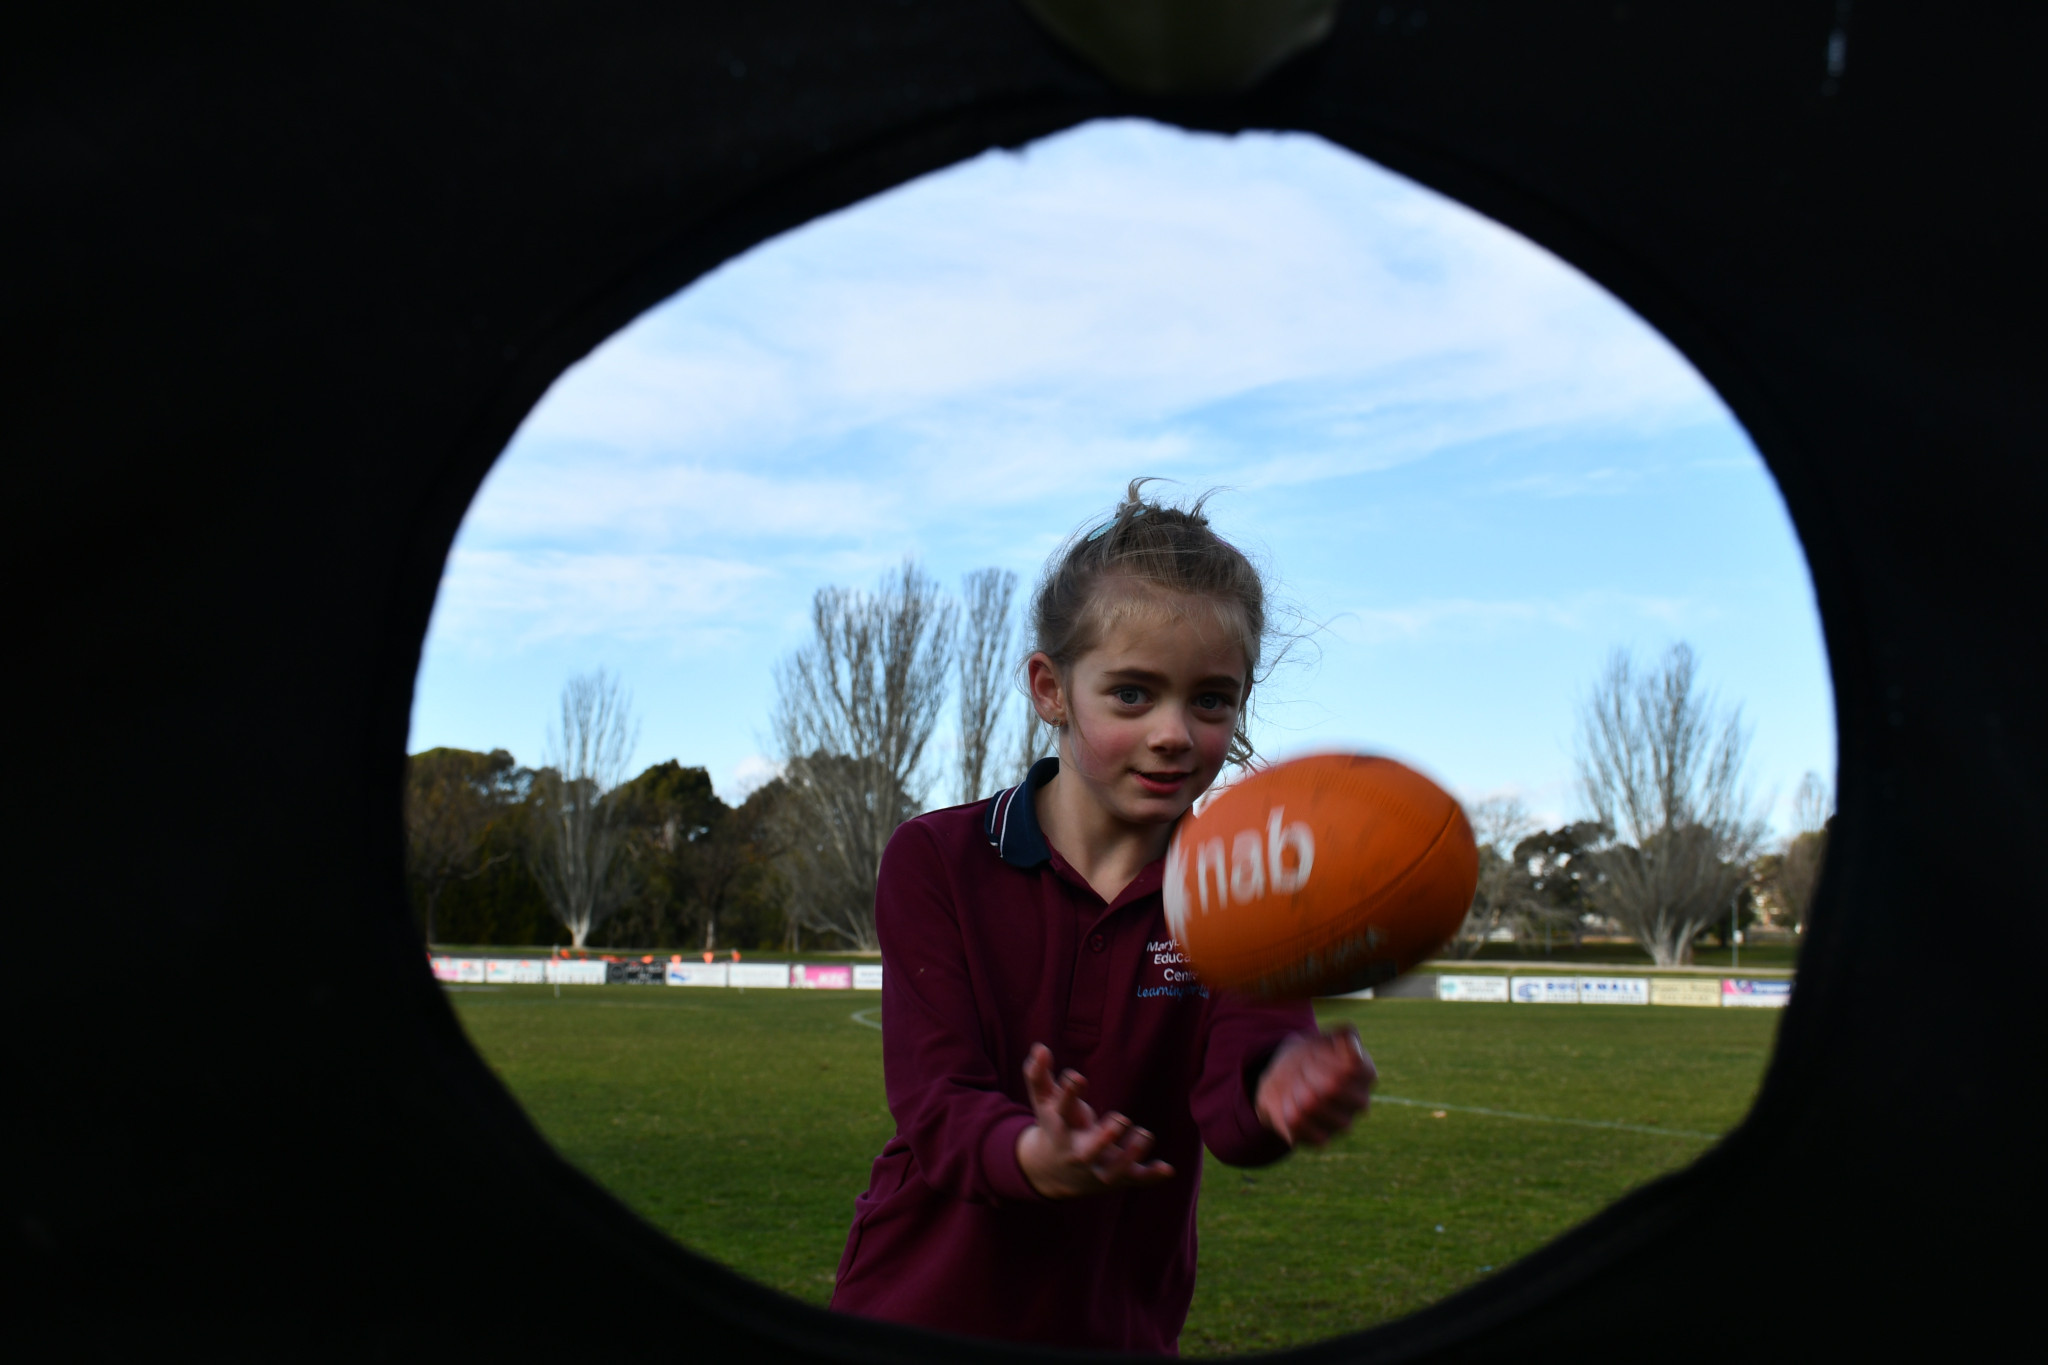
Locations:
(1149, 711)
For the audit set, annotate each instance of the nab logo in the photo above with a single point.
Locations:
(1277, 860)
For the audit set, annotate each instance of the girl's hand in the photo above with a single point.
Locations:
(1069, 1152)
(1315, 1085)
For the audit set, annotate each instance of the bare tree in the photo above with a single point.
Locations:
(1792, 876)
(984, 650)
(1498, 824)
(1663, 769)
(1811, 805)
(580, 855)
(1034, 740)
(855, 710)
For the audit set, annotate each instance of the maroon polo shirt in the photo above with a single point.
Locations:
(993, 943)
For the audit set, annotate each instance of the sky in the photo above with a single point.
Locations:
(1469, 472)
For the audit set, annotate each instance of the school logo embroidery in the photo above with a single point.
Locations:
(1176, 980)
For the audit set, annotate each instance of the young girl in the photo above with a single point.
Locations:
(1053, 1066)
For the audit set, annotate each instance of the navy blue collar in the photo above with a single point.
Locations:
(1012, 820)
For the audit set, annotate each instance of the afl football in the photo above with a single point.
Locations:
(1318, 876)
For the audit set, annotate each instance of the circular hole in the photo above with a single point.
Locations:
(1474, 474)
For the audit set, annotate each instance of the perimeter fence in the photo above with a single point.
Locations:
(1711, 992)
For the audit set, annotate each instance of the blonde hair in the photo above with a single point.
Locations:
(1152, 546)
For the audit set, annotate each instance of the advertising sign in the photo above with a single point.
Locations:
(867, 978)
(579, 973)
(514, 971)
(830, 977)
(1683, 990)
(444, 968)
(1544, 990)
(1765, 995)
(1614, 990)
(696, 973)
(1491, 989)
(468, 970)
(760, 975)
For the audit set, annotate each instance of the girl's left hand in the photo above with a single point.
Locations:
(1315, 1085)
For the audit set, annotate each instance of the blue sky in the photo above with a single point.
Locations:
(1472, 471)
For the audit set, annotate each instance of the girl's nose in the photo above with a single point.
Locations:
(1172, 736)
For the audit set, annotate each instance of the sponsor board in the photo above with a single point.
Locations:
(696, 973)
(1490, 989)
(444, 968)
(514, 971)
(1544, 990)
(1614, 990)
(867, 977)
(828, 977)
(564, 972)
(1681, 990)
(1766, 995)
(468, 970)
(760, 975)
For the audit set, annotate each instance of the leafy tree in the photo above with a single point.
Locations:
(1558, 872)
(455, 801)
(665, 814)
(504, 905)
(698, 865)
(744, 891)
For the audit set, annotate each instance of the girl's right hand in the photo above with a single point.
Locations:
(1069, 1152)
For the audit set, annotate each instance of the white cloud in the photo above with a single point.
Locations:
(574, 497)
(491, 599)
(1471, 618)
(1428, 418)
(1102, 300)
(748, 776)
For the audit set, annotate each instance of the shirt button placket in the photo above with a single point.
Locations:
(1091, 985)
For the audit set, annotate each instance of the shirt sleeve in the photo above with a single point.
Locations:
(943, 1088)
(1240, 1038)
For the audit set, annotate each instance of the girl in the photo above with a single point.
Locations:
(1053, 1066)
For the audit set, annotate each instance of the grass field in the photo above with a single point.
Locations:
(743, 1124)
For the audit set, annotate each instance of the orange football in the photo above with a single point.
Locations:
(1319, 876)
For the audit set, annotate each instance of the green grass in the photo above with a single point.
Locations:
(743, 1124)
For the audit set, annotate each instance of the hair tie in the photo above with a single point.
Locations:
(1108, 526)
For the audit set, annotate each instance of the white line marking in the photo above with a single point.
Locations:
(861, 1017)
(1546, 1118)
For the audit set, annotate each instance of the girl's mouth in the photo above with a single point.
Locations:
(1161, 784)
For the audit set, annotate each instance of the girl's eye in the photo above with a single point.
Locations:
(1212, 701)
(1129, 696)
